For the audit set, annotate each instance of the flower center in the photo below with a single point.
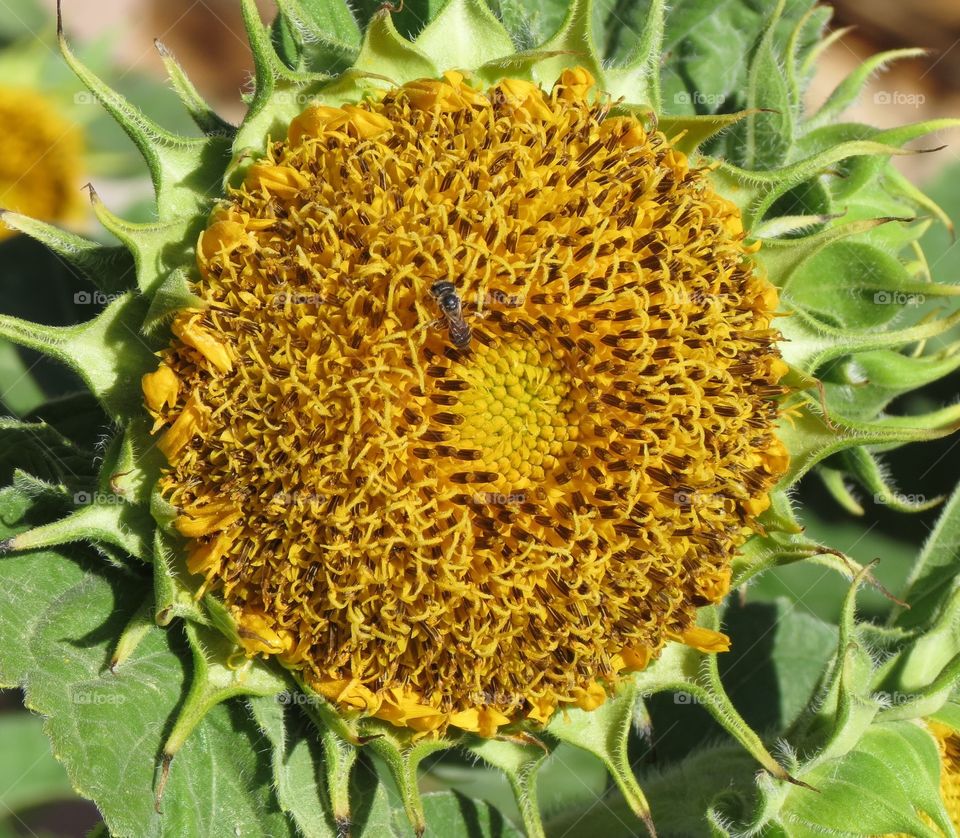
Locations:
(516, 413)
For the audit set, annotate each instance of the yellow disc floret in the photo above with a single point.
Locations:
(41, 157)
(435, 533)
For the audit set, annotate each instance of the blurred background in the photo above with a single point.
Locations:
(117, 39)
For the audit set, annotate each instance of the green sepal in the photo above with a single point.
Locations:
(638, 79)
(782, 258)
(183, 169)
(768, 136)
(681, 668)
(131, 465)
(279, 94)
(879, 787)
(605, 732)
(172, 592)
(870, 287)
(519, 65)
(327, 24)
(834, 480)
(812, 25)
(933, 578)
(755, 192)
(519, 757)
(37, 489)
(869, 381)
(95, 519)
(172, 295)
(574, 45)
(403, 755)
(868, 470)
(387, 54)
(41, 450)
(339, 756)
(293, 762)
(133, 633)
(154, 246)
(110, 268)
(464, 35)
(205, 117)
(925, 662)
(688, 133)
(809, 342)
(811, 438)
(845, 94)
(213, 681)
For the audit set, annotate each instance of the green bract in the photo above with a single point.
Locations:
(132, 670)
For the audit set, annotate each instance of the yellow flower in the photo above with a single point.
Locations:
(41, 158)
(439, 534)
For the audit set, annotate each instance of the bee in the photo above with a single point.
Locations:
(445, 293)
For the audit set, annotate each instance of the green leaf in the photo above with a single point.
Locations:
(296, 764)
(768, 135)
(60, 614)
(451, 813)
(878, 788)
(933, 579)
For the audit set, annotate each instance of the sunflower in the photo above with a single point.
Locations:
(470, 535)
(41, 157)
(472, 376)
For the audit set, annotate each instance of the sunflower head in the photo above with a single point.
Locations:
(41, 157)
(443, 532)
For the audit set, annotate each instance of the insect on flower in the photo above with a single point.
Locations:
(445, 293)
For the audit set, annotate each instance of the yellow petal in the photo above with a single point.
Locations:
(591, 697)
(257, 634)
(706, 640)
(204, 341)
(160, 388)
(192, 419)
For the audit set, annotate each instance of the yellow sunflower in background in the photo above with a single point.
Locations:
(42, 148)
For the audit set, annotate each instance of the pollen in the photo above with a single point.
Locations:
(475, 535)
(41, 158)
